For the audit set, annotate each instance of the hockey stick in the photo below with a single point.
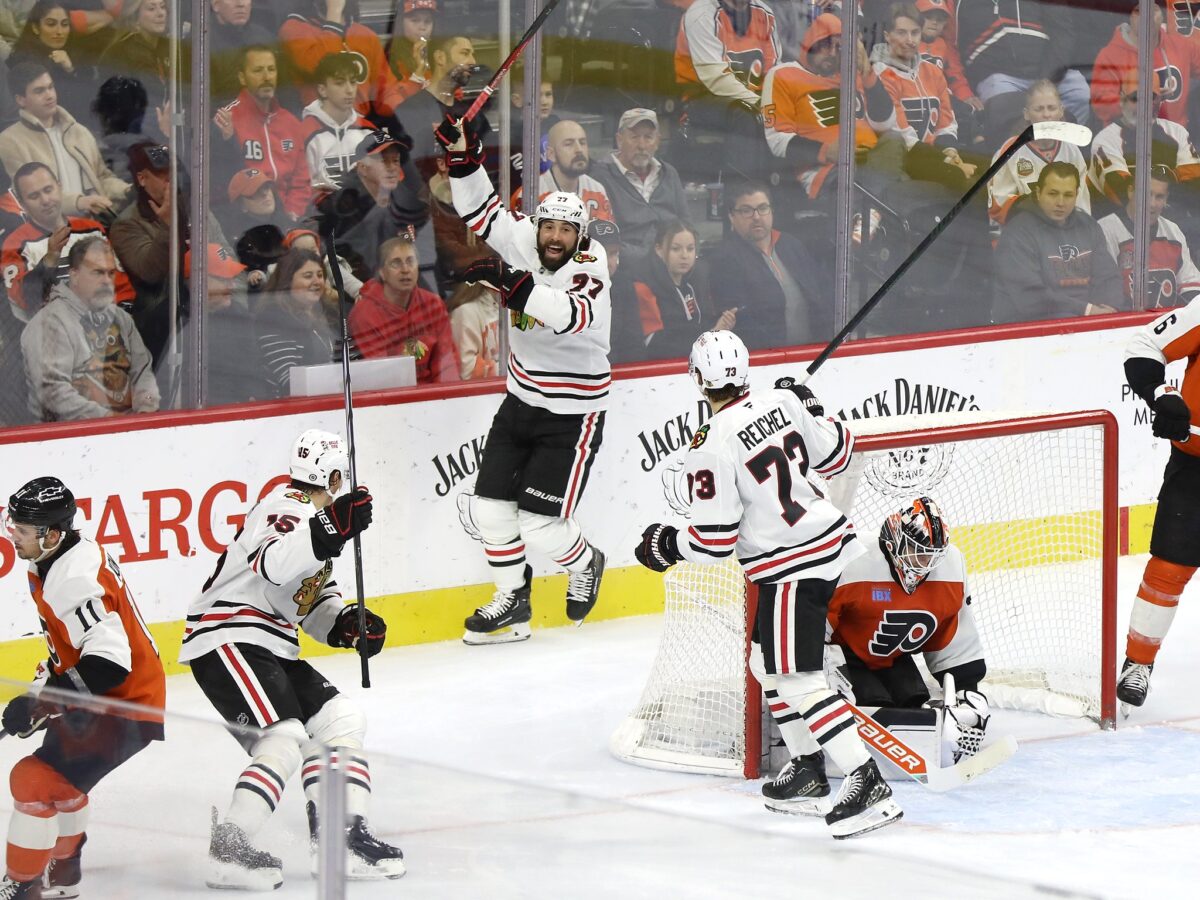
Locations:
(1071, 133)
(348, 401)
(490, 87)
(915, 766)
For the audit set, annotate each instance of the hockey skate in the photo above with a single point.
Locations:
(801, 788)
(863, 804)
(235, 864)
(505, 619)
(63, 876)
(368, 859)
(584, 587)
(1133, 685)
(20, 890)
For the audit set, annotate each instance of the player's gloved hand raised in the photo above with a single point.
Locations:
(464, 149)
(347, 516)
(514, 285)
(807, 397)
(659, 549)
(345, 630)
(1172, 418)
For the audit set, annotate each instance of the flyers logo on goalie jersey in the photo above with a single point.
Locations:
(902, 630)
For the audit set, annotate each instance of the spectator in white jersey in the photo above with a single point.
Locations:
(756, 492)
(554, 281)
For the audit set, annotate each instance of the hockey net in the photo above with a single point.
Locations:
(1032, 504)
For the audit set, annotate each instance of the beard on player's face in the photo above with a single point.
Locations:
(554, 249)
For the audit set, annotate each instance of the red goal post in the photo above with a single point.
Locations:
(1032, 503)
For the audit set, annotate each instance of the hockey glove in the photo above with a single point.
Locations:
(347, 516)
(345, 630)
(463, 156)
(807, 397)
(1172, 418)
(514, 285)
(659, 549)
(24, 716)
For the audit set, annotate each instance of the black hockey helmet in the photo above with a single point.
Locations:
(45, 502)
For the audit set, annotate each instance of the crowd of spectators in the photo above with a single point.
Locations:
(714, 199)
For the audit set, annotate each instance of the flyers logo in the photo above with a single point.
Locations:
(935, 59)
(1068, 252)
(1163, 288)
(922, 114)
(825, 107)
(903, 630)
(1171, 80)
(748, 66)
(1185, 16)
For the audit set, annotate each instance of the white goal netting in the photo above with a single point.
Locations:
(1026, 505)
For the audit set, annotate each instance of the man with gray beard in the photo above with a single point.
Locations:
(84, 358)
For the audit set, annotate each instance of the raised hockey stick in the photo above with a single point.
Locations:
(348, 402)
(513, 56)
(1070, 132)
(916, 767)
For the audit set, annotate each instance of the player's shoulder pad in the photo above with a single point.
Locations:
(700, 437)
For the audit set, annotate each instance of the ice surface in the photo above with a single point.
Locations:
(491, 770)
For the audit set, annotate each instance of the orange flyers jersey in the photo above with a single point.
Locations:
(86, 608)
(945, 57)
(713, 55)
(1175, 335)
(922, 101)
(872, 617)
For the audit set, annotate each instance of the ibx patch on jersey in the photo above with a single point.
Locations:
(700, 437)
(585, 258)
(298, 496)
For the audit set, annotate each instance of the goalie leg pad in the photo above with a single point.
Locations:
(560, 539)
(275, 758)
(1154, 609)
(500, 531)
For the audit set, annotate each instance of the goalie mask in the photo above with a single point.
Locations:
(316, 455)
(914, 540)
(719, 359)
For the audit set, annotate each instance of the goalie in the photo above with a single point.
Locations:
(875, 630)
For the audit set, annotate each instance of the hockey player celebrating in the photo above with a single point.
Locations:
(1175, 539)
(749, 472)
(554, 281)
(875, 631)
(98, 646)
(241, 643)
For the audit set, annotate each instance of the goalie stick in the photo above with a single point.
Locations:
(348, 402)
(916, 767)
(1070, 132)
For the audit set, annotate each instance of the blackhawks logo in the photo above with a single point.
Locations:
(700, 437)
(585, 258)
(310, 589)
(521, 321)
(298, 496)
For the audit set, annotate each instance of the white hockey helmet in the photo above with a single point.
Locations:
(563, 206)
(316, 455)
(719, 359)
(914, 540)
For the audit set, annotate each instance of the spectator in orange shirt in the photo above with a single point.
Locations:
(937, 47)
(396, 317)
(409, 50)
(1176, 60)
(260, 134)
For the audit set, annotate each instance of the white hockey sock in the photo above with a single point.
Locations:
(832, 724)
(559, 539)
(355, 770)
(499, 527)
(791, 724)
(259, 788)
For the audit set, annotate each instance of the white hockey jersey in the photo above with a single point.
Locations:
(872, 617)
(750, 471)
(1018, 176)
(265, 584)
(1109, 155)
(1174, 278)
(329, 146)
(558, 348)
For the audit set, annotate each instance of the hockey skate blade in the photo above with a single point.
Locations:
(230, 877)
(385, 870)
(807, 806)
(60, 892)
(509, 635)
(878, 816)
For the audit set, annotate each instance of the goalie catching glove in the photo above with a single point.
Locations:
(970, 716)
(1172, 418)
(513, 285)
(345, 631)
(659, 549)
(348, 516)
(463, 154)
